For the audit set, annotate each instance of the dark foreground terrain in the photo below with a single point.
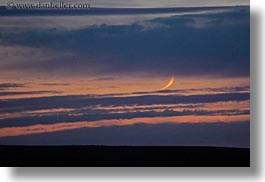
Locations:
(123, 156)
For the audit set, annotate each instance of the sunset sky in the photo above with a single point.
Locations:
(97, 79)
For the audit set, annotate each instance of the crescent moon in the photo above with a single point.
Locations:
(169, 84)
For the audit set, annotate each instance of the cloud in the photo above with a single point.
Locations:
(200, 134)
(24, 111)
(79, 101)
(19, 60)
(55, 84)
(28, 93)
(188, 91)
(93, 116)
(103, 79)
(203, 44)
(6, 86)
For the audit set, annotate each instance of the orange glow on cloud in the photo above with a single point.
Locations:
(35, 129)
(126, 85)
(96, 85)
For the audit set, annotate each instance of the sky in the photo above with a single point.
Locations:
(100, 79)
(149, 3)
